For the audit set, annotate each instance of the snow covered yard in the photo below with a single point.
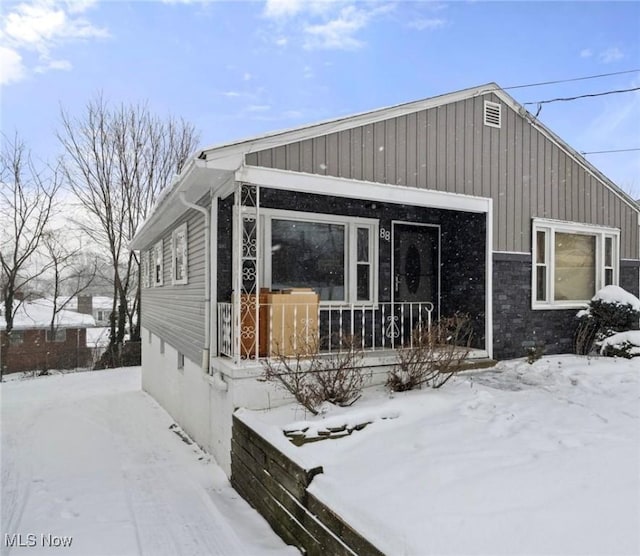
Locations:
(522, 459)
(91, 457)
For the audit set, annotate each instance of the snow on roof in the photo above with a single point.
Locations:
(97, 302)
(37, 314)
(615, 294)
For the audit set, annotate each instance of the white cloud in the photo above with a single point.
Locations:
(63, 65)
(276, 9)
(42, 26)
(247, 76)
(610, 55)
(338, 33)
(258, 108)
(287, 9)
(292, 114)
(323, 24)
(586, 53)
(427, 24)
(12, 69)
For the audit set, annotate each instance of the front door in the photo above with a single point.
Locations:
(415, 263)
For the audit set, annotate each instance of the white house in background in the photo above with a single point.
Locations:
(364, 227)
(99, 306)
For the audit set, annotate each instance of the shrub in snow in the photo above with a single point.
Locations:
(433, 356)
(610, 311)
(312, 378)
(622, 344)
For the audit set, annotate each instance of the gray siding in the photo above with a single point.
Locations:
(176, 313)
(449, 149)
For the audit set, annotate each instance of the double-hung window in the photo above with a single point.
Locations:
(571, 262)
(179, 254)
(158, 264)
(336, 256)
(58, 335)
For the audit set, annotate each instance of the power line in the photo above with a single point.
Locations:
(565, 99)
(611, 151)
(571, 79)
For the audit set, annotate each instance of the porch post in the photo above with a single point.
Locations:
(246, 271)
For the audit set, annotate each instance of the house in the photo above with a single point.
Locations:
(365, 227)
(99, 306)
(33, 346)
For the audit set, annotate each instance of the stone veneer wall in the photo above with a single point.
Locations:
(630, 276)
(516, 325)
(277, 488)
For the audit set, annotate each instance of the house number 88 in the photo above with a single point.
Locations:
(385, 234)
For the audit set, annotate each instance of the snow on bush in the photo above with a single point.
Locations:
(622, 344)
(617, 296)
(610, 311)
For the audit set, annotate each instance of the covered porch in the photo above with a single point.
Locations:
(316, 264)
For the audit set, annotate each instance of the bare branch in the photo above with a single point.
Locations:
(26, 207)
(117, 160)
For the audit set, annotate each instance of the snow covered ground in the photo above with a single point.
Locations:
(91, 457)
(519, 460)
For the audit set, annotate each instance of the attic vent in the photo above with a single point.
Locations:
(492, 113)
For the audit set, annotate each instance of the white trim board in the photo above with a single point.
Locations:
(358, 189)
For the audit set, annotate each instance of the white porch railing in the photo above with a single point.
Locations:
(294, 328)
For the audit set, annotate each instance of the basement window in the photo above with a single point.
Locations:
(571, 262)
(492, 114)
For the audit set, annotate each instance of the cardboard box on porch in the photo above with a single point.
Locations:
(293, 326)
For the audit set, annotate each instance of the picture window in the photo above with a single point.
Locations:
(571, 262)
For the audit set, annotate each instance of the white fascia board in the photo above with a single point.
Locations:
(358, 189)
(193, 178)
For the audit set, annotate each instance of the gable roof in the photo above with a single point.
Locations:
(229, 157)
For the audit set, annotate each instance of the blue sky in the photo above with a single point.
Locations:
(237, 69)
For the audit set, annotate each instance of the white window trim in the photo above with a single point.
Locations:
(551, 227)
(351, 251)
(158, 258)
(185, 255)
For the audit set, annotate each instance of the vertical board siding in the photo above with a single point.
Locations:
(448, 148)
(176, 313)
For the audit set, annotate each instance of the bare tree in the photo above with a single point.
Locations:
(26, 208)
(117, 160)
(69, 275)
